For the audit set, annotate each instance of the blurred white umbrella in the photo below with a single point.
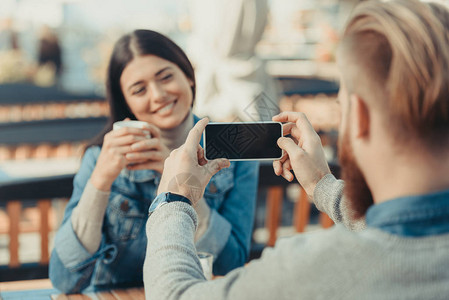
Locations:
(230, 76)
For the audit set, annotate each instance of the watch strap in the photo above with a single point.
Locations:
(165, 198)
(172, 197)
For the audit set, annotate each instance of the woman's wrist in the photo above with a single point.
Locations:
(101, 182)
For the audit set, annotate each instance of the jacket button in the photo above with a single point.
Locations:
(124, 206)
(212, 188)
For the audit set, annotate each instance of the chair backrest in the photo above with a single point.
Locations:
(275, 186)
(13, 194)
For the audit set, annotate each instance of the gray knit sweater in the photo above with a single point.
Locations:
(328, 264)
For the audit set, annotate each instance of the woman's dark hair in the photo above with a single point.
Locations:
(139, 42)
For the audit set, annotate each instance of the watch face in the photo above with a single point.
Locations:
(161, 204)
(165, 198)
(160, 199)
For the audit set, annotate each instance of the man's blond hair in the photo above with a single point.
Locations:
(401, 48)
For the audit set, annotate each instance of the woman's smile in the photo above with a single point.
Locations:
(166, 109)
(157, 91)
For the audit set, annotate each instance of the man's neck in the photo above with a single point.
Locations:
(397, 176)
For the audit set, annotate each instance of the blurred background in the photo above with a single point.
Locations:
(76, 36)
(54, 53)
(253, 58)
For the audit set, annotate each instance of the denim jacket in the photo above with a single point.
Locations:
(231, 195)
(412, 216)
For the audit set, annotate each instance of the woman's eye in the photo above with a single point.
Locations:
(138, 91)
(167, 77)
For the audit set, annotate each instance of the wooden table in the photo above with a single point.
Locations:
(43, 290)
(124, 294)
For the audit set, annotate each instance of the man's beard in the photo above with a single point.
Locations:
(356, 189)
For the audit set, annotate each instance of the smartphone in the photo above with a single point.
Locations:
(242, 141)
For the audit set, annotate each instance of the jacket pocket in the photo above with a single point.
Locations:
(124, 218)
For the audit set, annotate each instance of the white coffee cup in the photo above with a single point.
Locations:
(206, 260)
(130, 123)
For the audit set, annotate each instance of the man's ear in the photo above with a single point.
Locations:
(361, 116)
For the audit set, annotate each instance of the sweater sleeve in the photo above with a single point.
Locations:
(172, 269)
(228, 234)
(71, 263)
(87, 217)
(328, 198)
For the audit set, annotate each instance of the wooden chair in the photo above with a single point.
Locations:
(275, 194)
(13, 194)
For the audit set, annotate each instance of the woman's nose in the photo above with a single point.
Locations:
(157, 92)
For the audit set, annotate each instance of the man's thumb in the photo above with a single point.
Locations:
(289, 146)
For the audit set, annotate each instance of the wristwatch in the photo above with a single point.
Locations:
(164, 198)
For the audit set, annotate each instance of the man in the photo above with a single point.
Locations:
(394, 152)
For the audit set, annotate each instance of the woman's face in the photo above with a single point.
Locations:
(157, 91)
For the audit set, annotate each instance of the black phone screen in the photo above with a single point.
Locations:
(243, 141)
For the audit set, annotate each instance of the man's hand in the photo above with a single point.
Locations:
(186, 171)
(303, 152)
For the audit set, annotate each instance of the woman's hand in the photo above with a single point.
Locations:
(149, 153)
(112, 158)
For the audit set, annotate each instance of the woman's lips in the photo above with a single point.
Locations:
(167, 109)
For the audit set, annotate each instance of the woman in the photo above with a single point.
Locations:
(101, 242)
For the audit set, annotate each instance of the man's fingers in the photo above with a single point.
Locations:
(304, 128)
(213, 166)
(277, 164)
(287, 128)
(194, 137)
(289, 146)
(200, 154)
(283, 169)
(284, 157)
(287, 116)
(292, 116)
(300, 128)
(277, 167)
(286, 173)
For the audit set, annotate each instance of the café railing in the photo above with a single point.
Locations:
(16, 192)
(13, 194)
(50, 131)
(47, 138)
